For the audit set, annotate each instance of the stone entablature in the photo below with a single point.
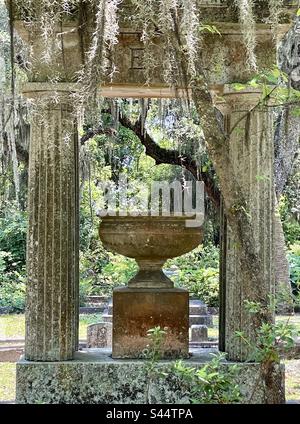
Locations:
(224, 54)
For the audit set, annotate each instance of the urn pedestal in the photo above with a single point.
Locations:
(136, 310)
(150, 300)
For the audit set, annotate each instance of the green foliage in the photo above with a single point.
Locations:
(119, 270)
(294, 262)
(199, 273)
(288, 210)
(272, 338)
(13, 231)
(291, 230)
(12, 286)
(102, 271)
(203, 283)
(214, 383)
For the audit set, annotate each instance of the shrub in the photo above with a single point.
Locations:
(101, 271)
(294, 262)
(202, 283)
(291, 230)
(198, 272)
(12, 286)
(13, 231)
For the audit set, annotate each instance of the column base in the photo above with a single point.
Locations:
(93, 377)
(137, 310)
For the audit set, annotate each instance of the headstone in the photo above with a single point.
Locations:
(198, 333)
(201, 320)
(99, 335)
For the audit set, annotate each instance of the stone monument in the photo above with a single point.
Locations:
(150, 299)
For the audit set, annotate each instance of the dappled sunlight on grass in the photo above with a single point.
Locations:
(292, 379)
(7, 381)
(12, 326)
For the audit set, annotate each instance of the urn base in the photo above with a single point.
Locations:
(137, 310)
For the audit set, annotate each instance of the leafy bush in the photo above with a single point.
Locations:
(13, 231)
(211, 384)
(198, 272)
(101, 271)
(202, 283)
(294, 262)
(291, 230)
(12, 286)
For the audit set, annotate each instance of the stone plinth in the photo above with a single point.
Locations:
(135, 311)
(198, 333)
(96, 378)
(99, 335)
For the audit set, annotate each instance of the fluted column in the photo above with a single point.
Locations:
(52, 246)
(252, 153)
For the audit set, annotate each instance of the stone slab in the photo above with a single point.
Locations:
(91, 310)
(137, 310)
(199, 333)
(201, 320)
(198, 309)
(99, 335)
(93, 377)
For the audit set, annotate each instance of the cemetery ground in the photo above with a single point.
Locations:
(12, 333)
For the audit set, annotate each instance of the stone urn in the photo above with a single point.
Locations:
(151, 241)
(150, 299)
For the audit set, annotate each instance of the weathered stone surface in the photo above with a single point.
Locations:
(95, 378)
(136, 311)
(107, 318)
(252, 153)
(225, 56)
(151, 241)
(99, 335)
(201, 320)
(199, 333)
(198, 309)
(52, 248)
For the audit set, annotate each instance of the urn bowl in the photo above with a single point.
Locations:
(150, 240)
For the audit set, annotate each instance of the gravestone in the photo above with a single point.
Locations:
(99, 335)
(198, 333)
(199, 314)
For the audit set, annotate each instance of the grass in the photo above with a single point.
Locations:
(292, 379)
(84, 321)
(7, 381)
(13, 326)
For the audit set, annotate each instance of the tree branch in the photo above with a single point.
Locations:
(172, 157)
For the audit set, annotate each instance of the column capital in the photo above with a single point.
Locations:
(229, 100)
(48, 90)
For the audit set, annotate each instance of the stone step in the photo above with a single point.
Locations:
(107, 317)
(201, 320)
(198, 309)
